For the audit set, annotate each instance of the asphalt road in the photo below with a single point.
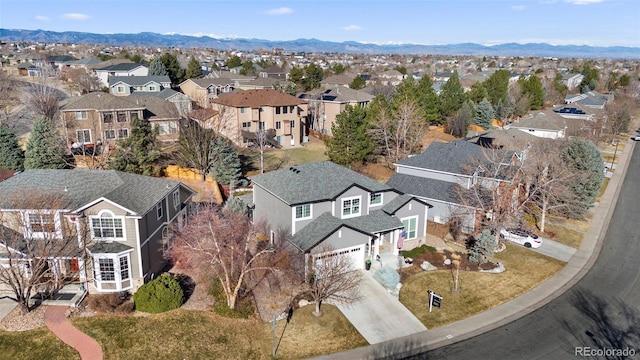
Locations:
(599, 312)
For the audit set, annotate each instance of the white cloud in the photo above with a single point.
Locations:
(41, 18)
(352, 28)
(280, 11)
(583, 2)
(75, 16)
(518, 7)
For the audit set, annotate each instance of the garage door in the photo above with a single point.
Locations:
(356, 254)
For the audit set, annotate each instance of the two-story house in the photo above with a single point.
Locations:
(436, 175)
(202, 91)
(327, 104)
(243, 114)
(100, 118)
(120, 69)
(324, 205)
(117, 221)
(127, 85)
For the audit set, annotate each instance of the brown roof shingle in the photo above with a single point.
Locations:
(257, 98)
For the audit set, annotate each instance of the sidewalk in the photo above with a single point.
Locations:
(503, 314)
(57, 322)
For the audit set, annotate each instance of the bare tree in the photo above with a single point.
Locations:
(9, 98)
(401, 131)
(221, 244)
(195, 148)
(332, 277)
(33, 242)
(619, 114)
(549, 178)
(40, 97)
(84, 81)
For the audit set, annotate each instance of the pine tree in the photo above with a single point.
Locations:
(175, 72)
(586, 160)
(156, 68)
(137, 153)
(45, 149)
(532, 87)
(451, 96)
(226, 167)
(194, 69)
(484, 114)
(350, 143)
(11, 154)
(485, 245)
(427, 99)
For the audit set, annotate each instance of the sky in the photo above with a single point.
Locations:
(428, 22)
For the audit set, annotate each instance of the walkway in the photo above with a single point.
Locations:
(555, 250)
(378, 315)
(57, 322)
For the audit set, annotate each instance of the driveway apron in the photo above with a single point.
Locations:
(378, 315)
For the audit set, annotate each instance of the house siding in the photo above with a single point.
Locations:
(414, 208)
(271, 209)
(317, 209)
(424, 173)
(353, 192)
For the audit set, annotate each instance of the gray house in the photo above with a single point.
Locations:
(127, 85)
(120, 221)
(326, 204)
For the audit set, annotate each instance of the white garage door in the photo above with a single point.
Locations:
(356, 254)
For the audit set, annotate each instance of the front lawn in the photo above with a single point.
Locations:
(34, 344)
(478, 291)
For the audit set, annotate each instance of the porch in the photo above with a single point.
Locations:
(70, 294)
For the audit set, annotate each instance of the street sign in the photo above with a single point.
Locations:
(434, 300)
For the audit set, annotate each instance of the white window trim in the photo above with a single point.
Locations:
(371, 198)
(116, 270)
(84, 115)
(351, 214)
(84, 138)
(304, 217)
(176, 199)
(408, 219)
(114, 216)
(159, 211)
(28, 233)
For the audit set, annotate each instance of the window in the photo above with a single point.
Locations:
(122, 116)
(123, 133)
(120, 89)
(152, 88)
(173, 127)
(261, 125)
(278, 125)
(284, 110)
(107, 271)
(110, 134)
(243, 110)
(107, 117)
(291, 108)
(176, 199)
(376, 199)
(278, 110)
(107, 226)
(159, 210)
(42, 223)
(124, 268)
(351, 207)
(163, 128)
(84, 136)
(81, 115)
(293, 124)
(303, 212)
(246, 124)
(410, 227)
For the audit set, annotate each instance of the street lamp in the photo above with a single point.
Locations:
(617, 141)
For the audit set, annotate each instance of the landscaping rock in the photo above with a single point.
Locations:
(496, 270)
(426, 266)
(303, 302)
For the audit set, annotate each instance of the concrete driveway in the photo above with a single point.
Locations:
(6, 305)
(555, 250)
(378, 315)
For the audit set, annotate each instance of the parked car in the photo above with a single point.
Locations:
(522, 237)
(637, 137)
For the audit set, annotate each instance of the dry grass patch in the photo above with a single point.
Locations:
(34, 344)
(478, 291)
(307, 335)
(603, 188)
(563, 235)
(178, 334)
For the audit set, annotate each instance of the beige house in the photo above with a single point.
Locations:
(325, 105)
(202, 91)
(241, 115)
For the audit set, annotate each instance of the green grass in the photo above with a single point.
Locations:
(478, 291)
(34, 344)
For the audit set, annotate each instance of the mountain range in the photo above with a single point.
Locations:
(315, 45)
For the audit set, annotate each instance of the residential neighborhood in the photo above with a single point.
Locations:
(272, 193)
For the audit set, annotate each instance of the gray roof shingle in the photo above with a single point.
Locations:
(137, 193)
(424, 187)
(139, 80)
(314, 182)
(447, 157)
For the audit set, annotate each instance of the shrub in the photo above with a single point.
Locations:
(244, 307)
(118, 302)
(158, 295)
(413, 253)
(388, 277)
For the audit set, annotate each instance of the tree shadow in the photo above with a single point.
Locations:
(187, 283)
(405, 348)
(612, 323)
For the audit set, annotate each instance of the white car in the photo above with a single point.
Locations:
(637, 137)
(522, 237)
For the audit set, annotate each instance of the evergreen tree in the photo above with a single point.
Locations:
(357, 83)
(497, 85)
(156, 68)
(532, 88)
(194, 69)
(313, 75)
(586, 161)
(233, 62)
(483, 246)
(451, 96)
(11, 154)
(45, 149)
(427, 99)
(477, 93)
(458, 124)
(175, 72)
(350, 143)
(226, 167)
(139, 152)
(484, 114)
